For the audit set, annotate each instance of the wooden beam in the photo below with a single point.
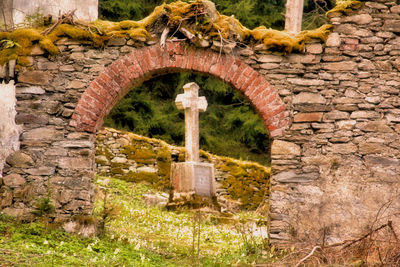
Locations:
(294, 15)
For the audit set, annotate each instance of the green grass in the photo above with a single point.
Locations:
(135, 235)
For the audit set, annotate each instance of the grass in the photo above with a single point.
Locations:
(135, 235)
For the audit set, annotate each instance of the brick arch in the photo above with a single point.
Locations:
(148, 62)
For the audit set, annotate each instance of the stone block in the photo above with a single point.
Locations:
(361, 114)
(340, 66)
(43, 171)
(383, 161)
(308, 98)
(358, 19)
(372, 148)
(19, 160)
(75, 163)
(14, 180)
(391, 26)
(270, 59)
(346, 148)
(33, 90)
(195, 177)
(336, 115)
(285, 148)
(293, 177)
(45, 134)
(314, 48)
(34, 77)
(375, 126)
(308, 117)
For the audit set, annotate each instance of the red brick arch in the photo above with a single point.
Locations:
(143, 64)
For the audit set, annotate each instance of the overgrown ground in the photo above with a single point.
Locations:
(137, 235)
(141, 235)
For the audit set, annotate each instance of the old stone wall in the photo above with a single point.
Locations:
(335, 166)
(241, 185)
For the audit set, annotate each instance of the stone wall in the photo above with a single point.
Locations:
(240, 184)
(335, 167)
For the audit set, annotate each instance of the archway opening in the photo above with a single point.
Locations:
(140, 165)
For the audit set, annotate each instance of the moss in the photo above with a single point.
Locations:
(176, 14)
(345, 6)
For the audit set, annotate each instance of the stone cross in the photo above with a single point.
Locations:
(294, 15)
(192, 104)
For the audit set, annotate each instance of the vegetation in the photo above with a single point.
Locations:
(136, 234)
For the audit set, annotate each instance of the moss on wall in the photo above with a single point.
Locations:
(199, 17)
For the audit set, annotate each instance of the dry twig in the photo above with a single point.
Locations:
(69, 16)
(309, 255)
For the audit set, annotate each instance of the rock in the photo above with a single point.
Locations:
(372, 148)
(346, 125)
(308, 98)
(75, 144)
(358, 19)
(292, 177)
(19, 160)
(29, 118)
(270, 59)
(75, 84)
(6, 199)
(83, 229)
(34, 77)
(147, 169)
(314, 48)
(14, 180)
(42, 171)
(346, 148)
(395, 9)
(391, 26)
(384, 161)
(75, 163)
(17, 212)
(119, 160)
(269, 66)
(67, 68)
(45, 133)
(308, 117)
(77, 56)
(285, 148)
(333, 40)
(116, 41)
(155, 200)
(375, 5)
(34, 90)
(364, 115)
(336, 115)
(375, 126)
(340, 66)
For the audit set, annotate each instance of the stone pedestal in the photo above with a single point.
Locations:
(193, 178)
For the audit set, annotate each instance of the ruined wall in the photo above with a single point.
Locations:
(240, 184)
(334, 168)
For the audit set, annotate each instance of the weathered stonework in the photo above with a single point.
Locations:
(333, 111)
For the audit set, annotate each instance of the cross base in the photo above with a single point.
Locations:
(193, 177)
